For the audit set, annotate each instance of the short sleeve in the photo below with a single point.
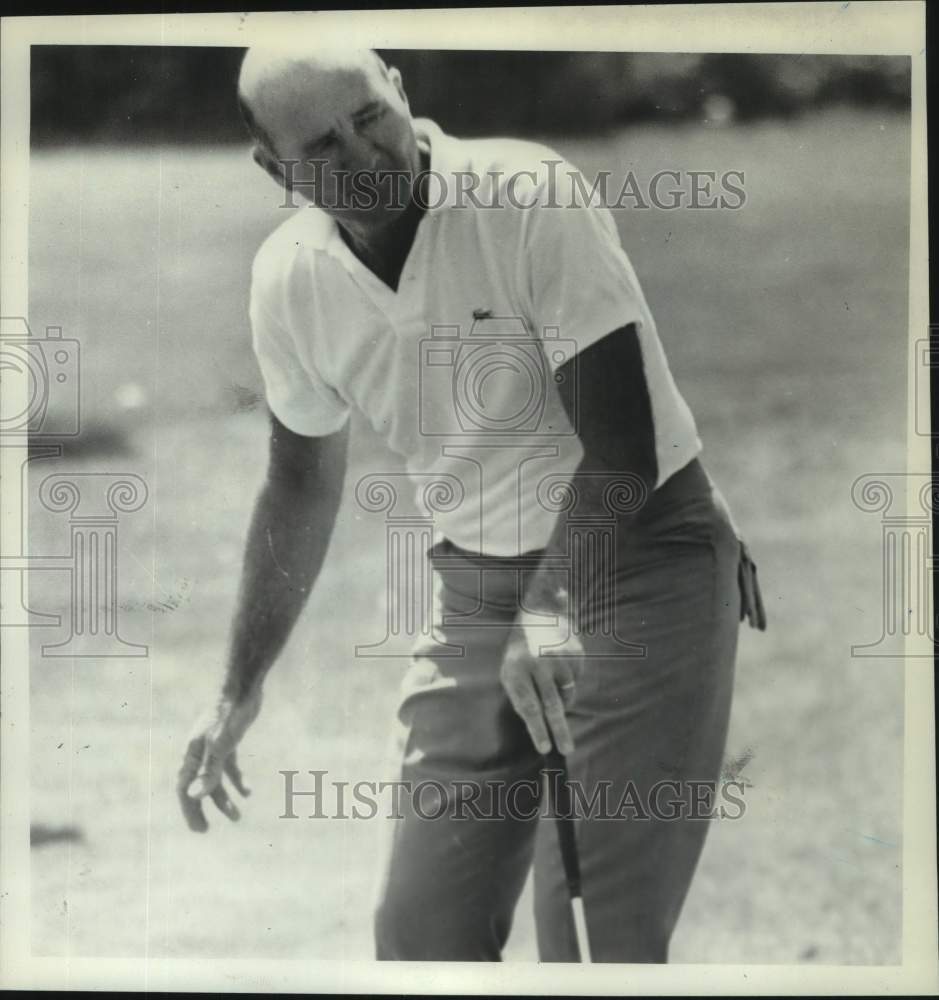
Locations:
(579, 277)
(297, 396)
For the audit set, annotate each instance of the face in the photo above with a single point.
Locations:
(349, 134)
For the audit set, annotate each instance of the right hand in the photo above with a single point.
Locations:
(541, 687)
(210, 754)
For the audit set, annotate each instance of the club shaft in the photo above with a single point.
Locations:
(567, 842)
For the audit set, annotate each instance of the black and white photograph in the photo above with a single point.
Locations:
(467, 499)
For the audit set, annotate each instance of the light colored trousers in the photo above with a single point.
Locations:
(452, 882)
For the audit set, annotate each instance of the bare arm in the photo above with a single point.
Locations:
(290, 531)
(613, 418)
(616, 431)
(287, 541)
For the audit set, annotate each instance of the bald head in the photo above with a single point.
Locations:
(325, 120)
(275, 84)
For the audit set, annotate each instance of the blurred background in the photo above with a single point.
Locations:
(785, 322)
(166, 95)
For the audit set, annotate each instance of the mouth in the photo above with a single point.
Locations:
(386, 188)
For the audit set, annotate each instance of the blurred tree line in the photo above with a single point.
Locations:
(177, 94)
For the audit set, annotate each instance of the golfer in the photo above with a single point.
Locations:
(476, 306)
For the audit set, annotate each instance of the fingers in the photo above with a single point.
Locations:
(553, 706)
(565, 679)
(751, 599)
(540, 692)
(209, 775)
(200, 777)
(191, 805)
(758, 596)
(746, 588)
(220, 797)
(568, 691)
(525, 701)
(234, 774)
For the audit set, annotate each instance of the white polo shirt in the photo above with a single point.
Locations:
(456, 368)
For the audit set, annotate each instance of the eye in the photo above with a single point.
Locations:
(321, 145)
(371, 117)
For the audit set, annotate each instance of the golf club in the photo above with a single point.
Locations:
(564, 818)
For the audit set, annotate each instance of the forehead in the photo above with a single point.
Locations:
(302, 100)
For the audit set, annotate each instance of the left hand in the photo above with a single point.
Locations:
(541, 688)
(751, 600)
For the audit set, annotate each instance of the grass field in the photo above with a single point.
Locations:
(785, 323)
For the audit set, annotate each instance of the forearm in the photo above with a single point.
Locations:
(287, 542)
(606, 400)
(548, 590)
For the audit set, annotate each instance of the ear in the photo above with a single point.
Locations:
(268, 163)
(394, 75)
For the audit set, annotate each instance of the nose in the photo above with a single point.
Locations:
(359, 153)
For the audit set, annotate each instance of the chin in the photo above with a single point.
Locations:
(367, 218)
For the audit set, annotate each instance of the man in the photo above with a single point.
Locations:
(589, 581)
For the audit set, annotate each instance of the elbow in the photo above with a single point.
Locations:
(616, 458)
